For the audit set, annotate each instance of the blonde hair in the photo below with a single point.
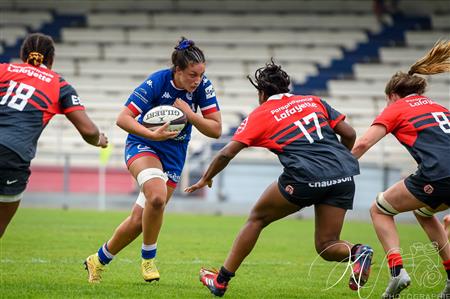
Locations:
(35, 58)
(436, 61)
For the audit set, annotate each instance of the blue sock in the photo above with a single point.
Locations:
(148, 251)
(104, 255)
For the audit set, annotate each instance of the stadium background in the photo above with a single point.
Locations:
(342, 50)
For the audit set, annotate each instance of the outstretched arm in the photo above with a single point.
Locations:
(217, 165)
(87, 128)
(374, 134)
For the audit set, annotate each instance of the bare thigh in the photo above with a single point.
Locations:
(401, 199)
(271, 206)
(143, 163)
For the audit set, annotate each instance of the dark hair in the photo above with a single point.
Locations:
(37, 49)
(271, 79)
(186, 52)
(436, 61)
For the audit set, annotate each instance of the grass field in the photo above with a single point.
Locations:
(42, 252)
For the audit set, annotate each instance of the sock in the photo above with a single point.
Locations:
(224, 275)
(447, 268)
(395, 263)
(104, 255)
(353, 251)
(148, 251)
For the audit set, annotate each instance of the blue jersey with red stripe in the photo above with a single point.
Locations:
(299, 130)
(158, 89)
(423, 127)
(29, 97)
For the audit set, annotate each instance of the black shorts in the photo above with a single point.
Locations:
(431, 193)
(14, 172)
(336, 192)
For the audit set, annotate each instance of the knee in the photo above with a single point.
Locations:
(258, 221)
(155, 200)
(373, 210)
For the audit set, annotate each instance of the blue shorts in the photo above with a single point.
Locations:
(431, 193)
(171, 154)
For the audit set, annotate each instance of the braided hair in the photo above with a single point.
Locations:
(271, 79)
(186, 52)
(37, 49)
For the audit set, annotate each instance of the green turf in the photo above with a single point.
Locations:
(42, 252)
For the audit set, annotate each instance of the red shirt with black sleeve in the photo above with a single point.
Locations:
(29, 97)
(423, 127)
(299, 130)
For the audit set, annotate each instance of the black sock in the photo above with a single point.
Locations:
(353, 251)
(224, 275)
(395, 271)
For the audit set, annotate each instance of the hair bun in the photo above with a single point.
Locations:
(35, 58)
(184, 44)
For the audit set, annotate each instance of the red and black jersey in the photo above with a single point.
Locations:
(29, 97)
(423, 127)
(299, 130)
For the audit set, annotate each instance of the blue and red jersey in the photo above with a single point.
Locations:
(423, 127)
(159, 89)
(299, 130)
(29, 97)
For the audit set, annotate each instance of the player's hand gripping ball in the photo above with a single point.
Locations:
(159, 115)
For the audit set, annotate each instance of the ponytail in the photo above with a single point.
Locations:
(35, 58)
(436, 61)
(37, 49)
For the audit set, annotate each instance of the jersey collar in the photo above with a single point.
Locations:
(279, 96)
(173, 85)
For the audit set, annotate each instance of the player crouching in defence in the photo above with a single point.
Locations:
(423, 127)
(318, 170)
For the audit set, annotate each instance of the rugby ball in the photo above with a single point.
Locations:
(159, 115)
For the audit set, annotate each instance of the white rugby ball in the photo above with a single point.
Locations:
(159, 115)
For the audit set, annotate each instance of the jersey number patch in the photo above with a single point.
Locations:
(22, 94)
(307, 120)
(442, 120)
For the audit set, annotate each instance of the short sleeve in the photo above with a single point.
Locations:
(207, 97)
(141, 98)
(68, 98)
(250, 131)
(333, 116)
(389, 118)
